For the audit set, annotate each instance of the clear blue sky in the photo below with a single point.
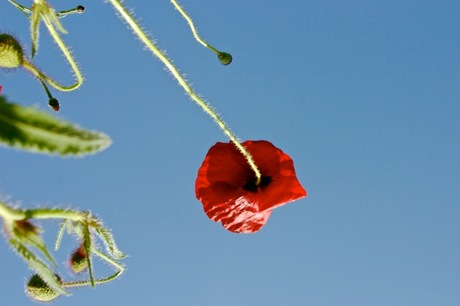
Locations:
(363, 95)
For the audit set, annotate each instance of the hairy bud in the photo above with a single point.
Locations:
(11, 52)
(39, 290)
(79, 260)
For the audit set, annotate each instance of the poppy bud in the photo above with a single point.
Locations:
(25, 228)
(78, 260)
(80, 9)
(11, 52)
(54, 104)
(224, 58)
(39, 290)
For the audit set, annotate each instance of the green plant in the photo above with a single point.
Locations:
(33, 130)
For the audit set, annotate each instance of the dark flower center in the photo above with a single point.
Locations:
(251, 185)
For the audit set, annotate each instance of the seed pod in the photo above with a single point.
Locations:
(11, 52)
(39, 290)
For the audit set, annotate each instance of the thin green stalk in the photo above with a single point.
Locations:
(9, 213)
(182, 82)
(42, 76)
(70, 60)
(192, 26)
(224, 57)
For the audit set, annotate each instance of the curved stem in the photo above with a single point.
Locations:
(192, 26)
(68, 56)
(70, 60)
(96, 281)
(44, 78)
(182, 82)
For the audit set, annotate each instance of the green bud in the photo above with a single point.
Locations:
(11, 52)
(79, 260)
(39, 290)
(224, 58)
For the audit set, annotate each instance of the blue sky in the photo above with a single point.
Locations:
(363, 95)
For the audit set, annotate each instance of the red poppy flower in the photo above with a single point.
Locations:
(226, 185)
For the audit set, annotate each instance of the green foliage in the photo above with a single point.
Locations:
(33, 130)
(30, 129)
(25, 238)
(38, 265)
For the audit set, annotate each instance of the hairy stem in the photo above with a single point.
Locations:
(183, 83)
(9, 213)
(192, 26)
(43, 77)
(70, 60)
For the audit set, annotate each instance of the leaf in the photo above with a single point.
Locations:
(60, 235)
(30, 129)
(34, 30)
(38, 266)
(28, 234)
(109, 242)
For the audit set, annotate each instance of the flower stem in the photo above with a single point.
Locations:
(41, 10)
(224, 57)
(192, 26)
(183, 83)
(9, 213)
(70, 60)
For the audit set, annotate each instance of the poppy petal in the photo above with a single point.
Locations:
(224, 185)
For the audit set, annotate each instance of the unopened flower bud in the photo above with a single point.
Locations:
(79, 260)
(224, 58)
(54, 104)
(25, 228)
(39, 290)
(11, 52)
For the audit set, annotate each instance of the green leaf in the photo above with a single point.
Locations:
(34, 30)
(29, 234)
(109, 242)
(30, 129)
(38, 266)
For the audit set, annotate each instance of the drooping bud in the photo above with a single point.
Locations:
(39, 290)
(79, 260)
(224, 58)
(25, 228)
(54, 104)
(11, 52)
